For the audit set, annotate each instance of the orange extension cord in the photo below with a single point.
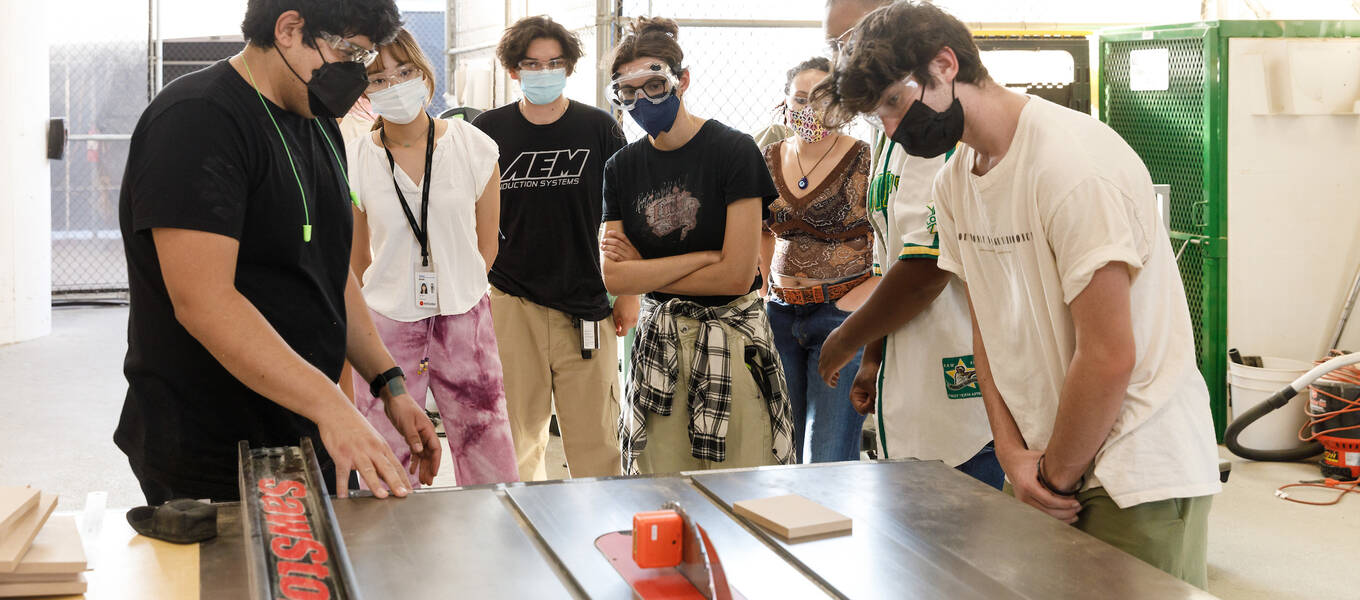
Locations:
(1351, 375)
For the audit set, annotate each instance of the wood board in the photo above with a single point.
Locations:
(793, 517)
(15, 502)
(6, 578)
(56, 550)
(75, 586)
(16, 543)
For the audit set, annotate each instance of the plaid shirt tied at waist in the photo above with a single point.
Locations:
(656, 366)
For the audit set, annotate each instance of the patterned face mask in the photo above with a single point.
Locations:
(807, 123)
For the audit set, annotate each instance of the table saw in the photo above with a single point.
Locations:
(921, 530)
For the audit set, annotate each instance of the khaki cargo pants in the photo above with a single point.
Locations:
(540, 350)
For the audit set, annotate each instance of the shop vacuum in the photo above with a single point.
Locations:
(1333, 411)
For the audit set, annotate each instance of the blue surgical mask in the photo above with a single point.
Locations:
(543, 87)
(656, 119)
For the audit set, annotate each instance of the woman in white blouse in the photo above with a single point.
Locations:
(425, 222)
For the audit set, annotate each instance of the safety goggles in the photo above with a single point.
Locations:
(350, 51)
(530, 64)
(399, 74)
(894, 102)
(654, 83)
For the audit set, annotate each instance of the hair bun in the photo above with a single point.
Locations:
(645, 25)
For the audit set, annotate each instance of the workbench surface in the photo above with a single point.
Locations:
(920, 530)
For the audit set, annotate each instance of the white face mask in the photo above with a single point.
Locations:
(401, 103)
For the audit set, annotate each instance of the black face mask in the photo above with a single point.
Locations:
(334, 88)
(926, 133)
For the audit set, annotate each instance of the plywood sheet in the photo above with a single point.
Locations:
(792, 517)
(16, 542)
(14, 503)
(11, 590)
(57, 549)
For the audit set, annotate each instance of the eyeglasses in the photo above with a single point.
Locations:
(656, 85)
(350, 51)
(530, 64)
(399, 74)
(835, 44)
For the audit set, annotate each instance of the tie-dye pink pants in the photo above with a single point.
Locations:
(465, 375)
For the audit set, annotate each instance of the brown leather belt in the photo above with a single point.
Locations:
(816, 295)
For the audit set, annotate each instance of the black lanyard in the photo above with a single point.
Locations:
(422, 230)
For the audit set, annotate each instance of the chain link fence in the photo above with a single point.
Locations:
(737, 53)
(101, 89)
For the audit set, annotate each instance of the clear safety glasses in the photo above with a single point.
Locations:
(351, 51)
(399, 74)
(530, 64)
(655, 83)
(894, 102)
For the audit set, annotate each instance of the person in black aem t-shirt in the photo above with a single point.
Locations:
(236, 223)
(547, 282)
(683, 211)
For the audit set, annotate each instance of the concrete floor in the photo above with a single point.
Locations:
(66, 391)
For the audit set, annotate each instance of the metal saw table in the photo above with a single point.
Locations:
(921, 530)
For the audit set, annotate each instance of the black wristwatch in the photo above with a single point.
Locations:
(382, 379)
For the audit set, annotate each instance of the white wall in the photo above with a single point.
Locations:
(25, 184)
(1293, 193)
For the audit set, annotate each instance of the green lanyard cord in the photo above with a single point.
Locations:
(306, 214)
(353, 195)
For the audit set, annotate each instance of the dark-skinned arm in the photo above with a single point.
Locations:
(907, 289)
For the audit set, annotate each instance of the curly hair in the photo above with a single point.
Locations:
(514, 44)
(816, 63)
(378, 20)
(649, 37)
(889, 44)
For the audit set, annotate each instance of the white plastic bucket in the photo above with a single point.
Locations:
(1250, 386)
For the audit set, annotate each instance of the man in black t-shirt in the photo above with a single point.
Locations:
(547, 284)
(236, 225)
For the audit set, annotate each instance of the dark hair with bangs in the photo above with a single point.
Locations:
(378, 20)
(514, 44)
(889, 44)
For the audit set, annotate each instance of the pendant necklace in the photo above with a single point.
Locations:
(803, 183)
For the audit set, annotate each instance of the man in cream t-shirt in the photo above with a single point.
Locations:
(1082, 335)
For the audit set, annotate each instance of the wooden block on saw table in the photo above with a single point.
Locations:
(793, 517)
(56, 551)
(20, 537)
(14, 503)
(75, 585)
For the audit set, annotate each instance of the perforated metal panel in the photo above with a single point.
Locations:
(1173, 131)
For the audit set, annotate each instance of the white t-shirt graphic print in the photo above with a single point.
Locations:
(1069, 197)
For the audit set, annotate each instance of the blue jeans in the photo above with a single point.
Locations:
(799, 330)
(985, 467)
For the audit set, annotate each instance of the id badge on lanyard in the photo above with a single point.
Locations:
(426, 280)
(427, 288)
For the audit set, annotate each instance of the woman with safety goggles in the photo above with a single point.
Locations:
(818, 252)
(682, 212)
(424, 237)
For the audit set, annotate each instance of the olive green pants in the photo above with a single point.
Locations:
(1172, 534)
(749, 437)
